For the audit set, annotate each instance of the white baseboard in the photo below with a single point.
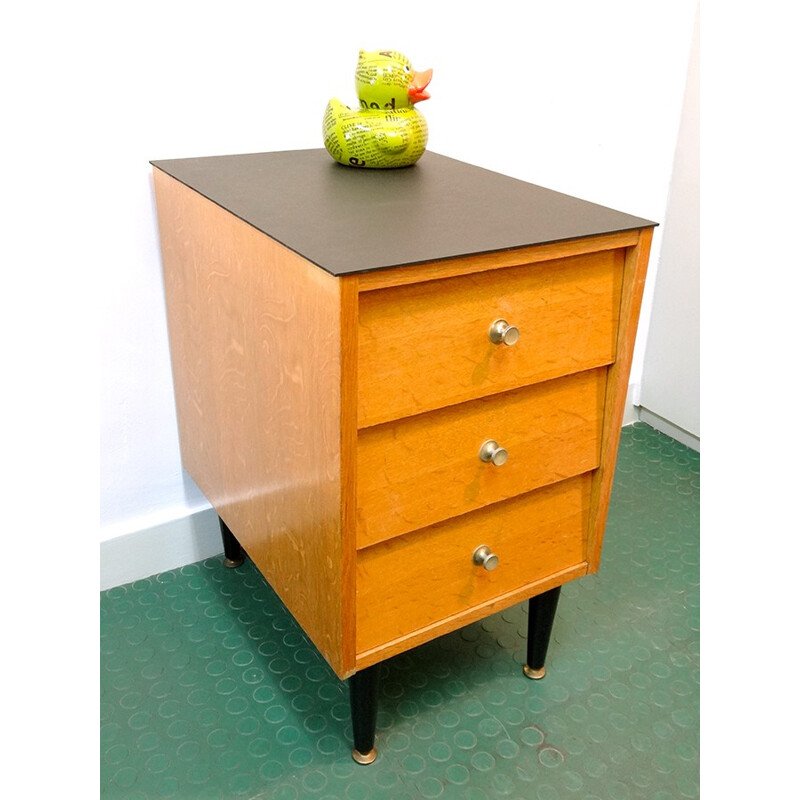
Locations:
(167, 546)
(665, 426)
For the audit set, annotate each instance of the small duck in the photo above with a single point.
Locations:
(386, 131)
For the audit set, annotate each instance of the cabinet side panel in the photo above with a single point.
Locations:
(255, 342)
(635, 272)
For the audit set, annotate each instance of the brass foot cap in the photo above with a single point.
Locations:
(365, 758)
(232, 563)
(534, 674)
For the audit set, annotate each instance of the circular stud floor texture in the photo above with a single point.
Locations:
(209, 689)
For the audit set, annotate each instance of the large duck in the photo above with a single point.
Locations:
(386, 130)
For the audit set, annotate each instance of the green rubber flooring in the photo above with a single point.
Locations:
(210, 690)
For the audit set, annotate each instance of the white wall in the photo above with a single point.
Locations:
(670, 386)
(581, 97)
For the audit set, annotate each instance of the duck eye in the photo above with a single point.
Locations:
(406, 68)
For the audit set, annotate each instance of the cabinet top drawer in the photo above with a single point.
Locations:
(429, 345)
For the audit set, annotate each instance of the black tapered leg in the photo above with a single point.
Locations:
(541, 613)
(364, 713)
(234, 554)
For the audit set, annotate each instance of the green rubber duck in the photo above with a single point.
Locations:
(386, 131)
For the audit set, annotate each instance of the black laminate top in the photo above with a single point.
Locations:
(349, 220)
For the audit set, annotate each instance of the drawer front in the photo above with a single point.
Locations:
(415, 581)
(422, 470)
(427, 345)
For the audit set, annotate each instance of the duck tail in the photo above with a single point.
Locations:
(336, 113)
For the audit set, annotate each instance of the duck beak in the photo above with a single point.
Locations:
(419, 83)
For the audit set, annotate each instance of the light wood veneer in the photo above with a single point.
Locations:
(423, 469)
(428, 341)
(333, 418)
(536, 535)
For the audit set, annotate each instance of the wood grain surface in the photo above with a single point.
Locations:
(417, 471)
(334, 423)
(486, 262)
(425, 346)
(636, 260)
(411, 582)
(256, 354)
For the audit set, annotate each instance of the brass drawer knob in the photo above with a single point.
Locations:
(484, 557)
(492, 452)
(500, 332)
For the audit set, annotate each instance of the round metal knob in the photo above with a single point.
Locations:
(484, 557)
(492, 452)
(500, 332)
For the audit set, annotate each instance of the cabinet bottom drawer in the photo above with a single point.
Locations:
(417, 580)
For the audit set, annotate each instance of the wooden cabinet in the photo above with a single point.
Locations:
(349, 405)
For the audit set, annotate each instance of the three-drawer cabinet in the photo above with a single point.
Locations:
(401, 390)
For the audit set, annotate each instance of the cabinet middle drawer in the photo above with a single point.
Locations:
(424, 469)
(441, 342)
